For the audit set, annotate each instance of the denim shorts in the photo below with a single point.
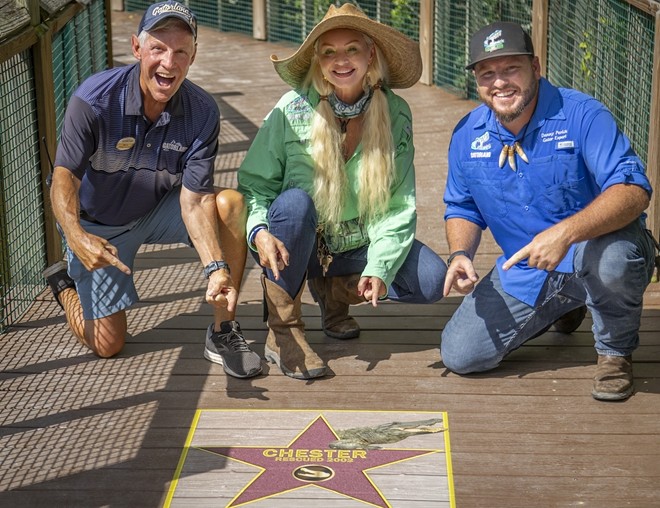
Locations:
(106, 291)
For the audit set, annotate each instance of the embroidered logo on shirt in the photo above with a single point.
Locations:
(299, 111)
(125, 143)
(481, 145)
(493, 42)
(174, 145)
(482, 142)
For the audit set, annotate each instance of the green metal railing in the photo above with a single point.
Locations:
(292, 20)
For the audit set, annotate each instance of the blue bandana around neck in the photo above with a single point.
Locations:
(343, 110)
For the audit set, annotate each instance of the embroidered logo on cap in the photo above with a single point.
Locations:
(174, 8)
(494, 42)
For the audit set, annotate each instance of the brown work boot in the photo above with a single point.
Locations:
(334, 295)
(570, 321)
(286, 345)
(614, 378)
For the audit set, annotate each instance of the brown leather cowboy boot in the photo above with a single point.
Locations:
(286, 345)
(614, 378)
(334, 295)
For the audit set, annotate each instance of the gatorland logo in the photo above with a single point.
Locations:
(177, 8)
(174, 146)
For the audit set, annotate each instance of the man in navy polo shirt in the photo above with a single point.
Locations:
(563, 193)
(135, 166)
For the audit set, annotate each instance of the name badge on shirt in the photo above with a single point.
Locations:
(125, 143)
(565, 145)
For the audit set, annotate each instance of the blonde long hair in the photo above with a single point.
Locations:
(376, 174)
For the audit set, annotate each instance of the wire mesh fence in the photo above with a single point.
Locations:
(292, 20)
(605, 48)
(21, 220)
(223, 15)
(78, 50)
(454, 23)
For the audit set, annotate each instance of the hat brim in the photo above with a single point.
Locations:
(403, 57)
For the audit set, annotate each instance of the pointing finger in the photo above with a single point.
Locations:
(516, 258)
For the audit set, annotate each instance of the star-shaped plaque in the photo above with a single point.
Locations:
(310, 461)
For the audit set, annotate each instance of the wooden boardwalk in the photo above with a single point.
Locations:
(151, 427)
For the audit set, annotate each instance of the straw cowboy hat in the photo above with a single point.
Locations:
(404, 61)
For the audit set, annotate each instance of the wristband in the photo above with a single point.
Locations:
(458, 253)
(253, 233)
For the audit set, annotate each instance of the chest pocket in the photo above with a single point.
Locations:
(487, 184)
(559, 184)
(299, 167)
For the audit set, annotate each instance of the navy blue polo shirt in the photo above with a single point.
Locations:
(575, 152)
(125, 163)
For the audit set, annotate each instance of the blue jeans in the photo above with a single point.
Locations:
(611, 274)
(292, 218)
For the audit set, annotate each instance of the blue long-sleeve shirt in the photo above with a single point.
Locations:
(575, 152)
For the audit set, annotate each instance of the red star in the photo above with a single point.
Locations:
(341, 471)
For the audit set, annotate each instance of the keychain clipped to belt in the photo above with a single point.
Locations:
(322, 251)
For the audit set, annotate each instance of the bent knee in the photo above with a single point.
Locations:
(105, 348)
(463, 361)
(108, 351)
(106, 336)
(230, 202)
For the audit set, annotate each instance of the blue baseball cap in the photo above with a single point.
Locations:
(158, 12)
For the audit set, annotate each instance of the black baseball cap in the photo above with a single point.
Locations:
(502, 38)
(156, 13)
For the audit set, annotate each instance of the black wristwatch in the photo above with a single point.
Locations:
(214, 266)
(458, 253)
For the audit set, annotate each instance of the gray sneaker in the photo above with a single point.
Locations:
(229, 349)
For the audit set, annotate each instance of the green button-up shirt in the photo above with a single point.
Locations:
(280, 158)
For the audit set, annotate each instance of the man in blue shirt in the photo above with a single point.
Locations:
(563, 193)
(135, 166)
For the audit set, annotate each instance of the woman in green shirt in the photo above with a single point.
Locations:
(330, 186)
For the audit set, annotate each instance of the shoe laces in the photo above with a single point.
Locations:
(236, 342)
